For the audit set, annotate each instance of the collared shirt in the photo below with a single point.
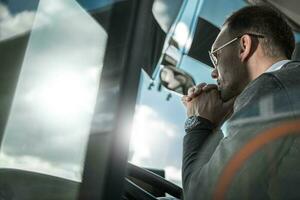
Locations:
(277, 66)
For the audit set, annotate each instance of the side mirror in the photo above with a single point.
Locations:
(176, 79)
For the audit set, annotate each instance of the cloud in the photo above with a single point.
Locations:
(150, 138)
(38, 165)
(173, 174)
(13, 25)
(49, 122)
(165, 12)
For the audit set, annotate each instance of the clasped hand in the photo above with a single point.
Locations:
(204, 100)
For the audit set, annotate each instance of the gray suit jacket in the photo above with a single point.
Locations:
(272, 171)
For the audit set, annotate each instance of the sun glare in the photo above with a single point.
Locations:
(64, 94)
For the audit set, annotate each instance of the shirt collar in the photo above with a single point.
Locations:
(277, 66)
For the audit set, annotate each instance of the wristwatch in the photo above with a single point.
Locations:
(191, 123)
(195, 121)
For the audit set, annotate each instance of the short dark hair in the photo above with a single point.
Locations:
(279, 39)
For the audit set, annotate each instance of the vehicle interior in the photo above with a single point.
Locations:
(91, 93)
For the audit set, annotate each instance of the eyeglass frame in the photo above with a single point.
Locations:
(211, 53)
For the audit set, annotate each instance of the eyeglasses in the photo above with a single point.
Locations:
(214, 58)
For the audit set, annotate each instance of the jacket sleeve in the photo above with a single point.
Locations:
(194, 142)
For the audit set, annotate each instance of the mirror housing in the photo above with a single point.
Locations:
(176, 79)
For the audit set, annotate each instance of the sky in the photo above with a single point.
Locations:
(12, 24)
(41, 146)
(157, 131)
(158, 144)
(17, 6)
(50, 116)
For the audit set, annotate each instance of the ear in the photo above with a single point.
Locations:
(214, 73)
(245, 47)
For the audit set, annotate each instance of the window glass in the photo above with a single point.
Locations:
(165, 12)
(49, 119)
(157, 133)
(96, 4)
(200, 71)
(182, 30)
(16, 17)
(297, 37)
(217, 11)
(158, 127)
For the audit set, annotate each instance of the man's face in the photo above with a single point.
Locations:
(230, 72)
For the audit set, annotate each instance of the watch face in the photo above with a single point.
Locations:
(191, 122)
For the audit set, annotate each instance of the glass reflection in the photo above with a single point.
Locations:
(15, 21)
(52, 109)
(158, 130)
(96, 4)
(199, 71)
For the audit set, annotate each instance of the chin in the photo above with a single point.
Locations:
(226, 94)
(223, 95)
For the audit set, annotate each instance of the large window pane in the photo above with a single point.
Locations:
(50, 116)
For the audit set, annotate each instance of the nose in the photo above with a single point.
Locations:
(214, 74)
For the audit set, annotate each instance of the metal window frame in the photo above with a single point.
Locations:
(108, 145)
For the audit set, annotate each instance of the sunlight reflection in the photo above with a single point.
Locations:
(150, 142)
(64, 94)
(149, 132)
(181, 34)
(173, 174)
(52, 109)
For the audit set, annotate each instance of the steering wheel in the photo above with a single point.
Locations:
(156, 181)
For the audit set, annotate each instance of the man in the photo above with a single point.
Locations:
(257, 89)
